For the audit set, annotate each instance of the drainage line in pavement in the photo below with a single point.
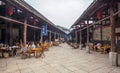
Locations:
(18, 67)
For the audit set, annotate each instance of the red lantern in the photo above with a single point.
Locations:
(35, 21)
(10, 10)
(99, 15)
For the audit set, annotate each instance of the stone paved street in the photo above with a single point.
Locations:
(62, 59)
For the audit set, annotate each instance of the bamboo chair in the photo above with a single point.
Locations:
(25, 51)
(42, 50)
(46, 46)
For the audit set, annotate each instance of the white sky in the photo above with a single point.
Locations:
(61, 12)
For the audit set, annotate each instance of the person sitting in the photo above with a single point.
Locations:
(95, 46)
(33, 45)
(98, 46)
(76, 46)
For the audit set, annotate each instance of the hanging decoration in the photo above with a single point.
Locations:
(35, 21)
(44, 30)
(99, 15)
(77, 26)
(84, 24)
(10, 10)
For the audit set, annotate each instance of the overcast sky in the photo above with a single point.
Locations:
(61, 12)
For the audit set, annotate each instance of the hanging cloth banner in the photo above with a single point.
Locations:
(44, 30)
(10, 10)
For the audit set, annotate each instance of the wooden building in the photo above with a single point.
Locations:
(101, 20)
(20, 21)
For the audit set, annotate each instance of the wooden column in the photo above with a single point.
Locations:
(76, 36)
(112, 25)
(80, 37)
(101, 38)
(41, 40)
(113, 55)
(58, 36)
(54, 36)
(87, 33)
(34, 35)
(50, 36)
(88, 36)
(25, 32)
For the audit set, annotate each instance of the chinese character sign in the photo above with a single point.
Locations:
(44, 30)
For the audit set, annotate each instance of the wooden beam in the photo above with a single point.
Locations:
(16, 21)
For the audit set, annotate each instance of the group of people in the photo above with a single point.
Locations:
(100, 47)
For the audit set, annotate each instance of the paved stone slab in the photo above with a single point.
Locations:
(61, 59)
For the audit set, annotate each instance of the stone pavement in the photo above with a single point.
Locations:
(61, 59)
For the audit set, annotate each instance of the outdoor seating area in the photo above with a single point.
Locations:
(74, 45)
(36, 49)
(6, 51)
(27, 32)
(62, 59)
(102, 48)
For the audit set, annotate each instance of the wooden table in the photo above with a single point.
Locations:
(36, 51)
(104, 48)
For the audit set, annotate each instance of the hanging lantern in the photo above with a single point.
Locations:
(77, 26)
(35, 21)
(99, 15)
(10, 10)
(84, 24)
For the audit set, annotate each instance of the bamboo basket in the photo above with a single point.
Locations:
(5, 55)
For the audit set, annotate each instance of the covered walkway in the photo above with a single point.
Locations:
(61, 59)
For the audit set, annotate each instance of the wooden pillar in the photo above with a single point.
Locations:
(76, 36)
(87, 33)
(54, 36)
(50, 36)
(58, 35)
(34, 35)
(80, 38)
(25, 32)
(101, 38)
(113, 56)
(88, 37)
(112, 25)
(41, 40)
